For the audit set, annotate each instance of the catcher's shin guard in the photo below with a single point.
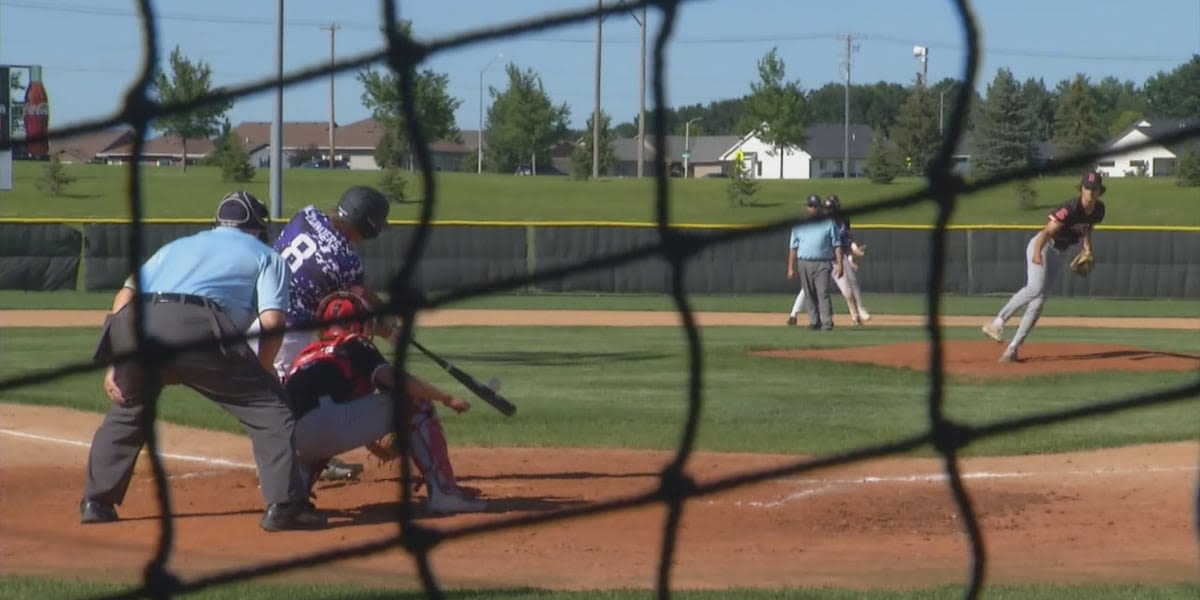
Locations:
(429, 451)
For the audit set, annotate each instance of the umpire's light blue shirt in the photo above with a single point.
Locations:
(814, 241)
(244, 276)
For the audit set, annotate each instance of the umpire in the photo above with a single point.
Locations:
(196, 289)
(814, 249)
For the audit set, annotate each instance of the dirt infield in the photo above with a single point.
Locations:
(627, 318)
(1120, 515)
(1112, 516)
(977, 359)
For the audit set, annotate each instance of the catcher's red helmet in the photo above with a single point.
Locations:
(343, 305)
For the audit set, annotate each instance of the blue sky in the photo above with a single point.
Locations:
(94, 49)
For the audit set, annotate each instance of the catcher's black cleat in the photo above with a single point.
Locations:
(286, 516)
(94, 511)
(336, 470)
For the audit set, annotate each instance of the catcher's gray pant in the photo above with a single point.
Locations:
(1038, 279)
(815, 280)
(333, 428)
(231, 376)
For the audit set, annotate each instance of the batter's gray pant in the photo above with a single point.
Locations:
(816, 278)
(230, 376)
(1038, 279)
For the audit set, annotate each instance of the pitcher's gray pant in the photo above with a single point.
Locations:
(816, 278)
(1038, 279)
(230, 376)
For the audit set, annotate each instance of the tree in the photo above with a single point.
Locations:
(1115, 98)
(54, 180)
(1189, 166)
(1122, 121)
(522, 122)
(393, 185)
(188, 81)
(581, 157)
(232, 157)
(306, 154)
(882, 163)
(1175, 94)
(741, 187)
(775, 108)
(1004, 134)
(1042, 105)
(432, 103)
(1077, 124)
(916, 130)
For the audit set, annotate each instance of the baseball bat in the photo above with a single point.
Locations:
(484, 392)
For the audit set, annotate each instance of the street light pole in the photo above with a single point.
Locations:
(687, 148)
(941, 110)
(479, 142)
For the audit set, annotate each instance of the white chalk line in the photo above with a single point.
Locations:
(206, 460)
(826, 485)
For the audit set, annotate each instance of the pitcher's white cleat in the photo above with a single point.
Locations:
(995, 332)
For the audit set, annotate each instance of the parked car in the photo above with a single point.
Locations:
(324, 164)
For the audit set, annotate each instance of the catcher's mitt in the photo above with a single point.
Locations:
(384, 449)
(1082, 264)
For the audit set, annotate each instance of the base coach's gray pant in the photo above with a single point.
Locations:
(231, 376)
(816, 277)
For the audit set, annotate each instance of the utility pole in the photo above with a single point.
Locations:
(641, 147)
(846, 141)
(276, 185)
(332, 28)
(596, 110)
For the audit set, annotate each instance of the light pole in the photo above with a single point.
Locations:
(479, 157)
(941, 109)
(687, 148)
(922, 53)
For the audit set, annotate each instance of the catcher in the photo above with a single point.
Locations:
(332, 390)
(1072, 222)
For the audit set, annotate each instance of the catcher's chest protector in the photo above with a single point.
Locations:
(333, 352)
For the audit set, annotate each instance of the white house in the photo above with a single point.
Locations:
(1155, 160)
(763, 161)
(823, 153)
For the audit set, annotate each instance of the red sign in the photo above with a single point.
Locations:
(37, 119)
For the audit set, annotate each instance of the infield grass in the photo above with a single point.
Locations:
(101, 191)
(884, 304)
(625, 388)
(36, 588)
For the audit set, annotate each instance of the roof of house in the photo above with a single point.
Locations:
(86, 146)
(166, 145)
(296, 134)
(701, 148)
(365, 134)
(1155, 127)
(828, 140)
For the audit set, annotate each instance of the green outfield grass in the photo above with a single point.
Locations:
(37, 588)
(610, 387)
(102, 192)
(884, 304)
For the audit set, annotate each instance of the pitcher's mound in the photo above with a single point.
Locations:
(978, 358)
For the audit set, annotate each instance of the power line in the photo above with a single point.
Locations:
(708, 40)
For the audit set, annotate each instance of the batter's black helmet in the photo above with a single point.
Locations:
(365, 209)
(813, 201)
(832, 202)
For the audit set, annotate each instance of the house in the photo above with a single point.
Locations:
(255, 137)
(1043, 153)
(357, 141)
(85, 148)
(162, 151)
(822, 155)
(704, 155)
(1156, 160)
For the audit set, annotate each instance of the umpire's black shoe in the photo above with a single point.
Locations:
(94, 511)
(292, 515)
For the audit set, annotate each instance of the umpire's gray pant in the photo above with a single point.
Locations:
(230, 375)
(816, 277)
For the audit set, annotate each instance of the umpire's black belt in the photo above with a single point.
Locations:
(160, 297)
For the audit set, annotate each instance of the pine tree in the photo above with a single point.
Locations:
(232, 157)
(916, 130)
(1189, 167)
(882, 164)
(54, 180)
(1005, 130)
(1078, 127)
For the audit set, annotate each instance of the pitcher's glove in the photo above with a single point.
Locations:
(1082, 263)
(384, 449)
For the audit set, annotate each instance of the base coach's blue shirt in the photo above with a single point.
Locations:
(244, 276)
(815, 241)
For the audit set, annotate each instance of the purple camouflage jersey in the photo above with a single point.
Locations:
(321, 260)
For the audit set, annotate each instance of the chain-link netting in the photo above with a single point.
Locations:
(403, 55)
